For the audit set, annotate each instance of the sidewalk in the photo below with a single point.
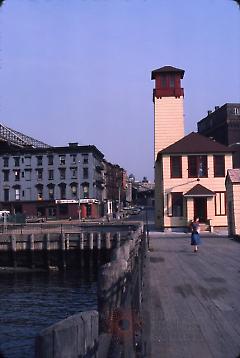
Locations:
(191, 301)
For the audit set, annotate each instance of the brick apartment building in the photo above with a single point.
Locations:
(223, 125)
(54, 182)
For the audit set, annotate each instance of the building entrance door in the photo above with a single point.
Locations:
(200, 209)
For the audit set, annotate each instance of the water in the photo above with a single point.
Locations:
(30, 302)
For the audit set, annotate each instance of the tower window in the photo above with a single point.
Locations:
(163, 82)
(172, 81)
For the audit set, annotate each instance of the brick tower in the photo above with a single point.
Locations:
(168, 107)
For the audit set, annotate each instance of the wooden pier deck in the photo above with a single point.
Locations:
(192, 301)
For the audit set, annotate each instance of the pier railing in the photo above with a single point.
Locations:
(61, 228)
(120, 297)
(118, 320)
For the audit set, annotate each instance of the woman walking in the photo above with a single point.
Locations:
(195, 237)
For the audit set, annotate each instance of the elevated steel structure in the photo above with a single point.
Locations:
(19, 139)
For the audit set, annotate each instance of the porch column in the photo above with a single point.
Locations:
(189, 209)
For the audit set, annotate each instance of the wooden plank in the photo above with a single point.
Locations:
(192, 299)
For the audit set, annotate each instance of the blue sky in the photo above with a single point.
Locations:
(79, 70)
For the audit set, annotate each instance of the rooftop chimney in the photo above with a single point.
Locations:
(216, 108)
(209, 112)
(75, 144)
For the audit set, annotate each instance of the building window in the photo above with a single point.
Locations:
(74, 191)
(197, 166)
(51, 193)
(175, 204)
(85, 173)
(23, 193)
(74, 158)
(50, 159)
(74, 173)
(62, 173)
(85, 158)
(6, 194)
(27, 161)
(17, 175)
(39, 161)
(16, 161)
(39, 174)
(17, 194)
(62, 159)
(219, 165)
(62, 192)
(39, 194)
(28, 175)
(5, 162)
(236, 111)
(86, 192)
(39, 188)
(172, 81)
(176, 166)
(220, 203)
(6, 175)
(50, 175)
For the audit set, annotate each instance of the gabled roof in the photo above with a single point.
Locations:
(195, 143)
(234, 175)
(167, 69)
(199, 190)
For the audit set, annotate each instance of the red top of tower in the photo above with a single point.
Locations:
(168, 82)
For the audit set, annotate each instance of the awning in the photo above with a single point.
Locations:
(199, 191)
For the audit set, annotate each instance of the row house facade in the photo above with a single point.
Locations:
(52, 181)
(115, 179)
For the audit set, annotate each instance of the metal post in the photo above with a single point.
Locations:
(147, 228)
(5, 221)
(79, 189)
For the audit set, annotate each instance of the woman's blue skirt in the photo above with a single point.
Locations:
(195, 239)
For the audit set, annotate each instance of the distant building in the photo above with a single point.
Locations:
(115, 187)
(57, 182)
(223, 125)
(51, 181)
(143, 193)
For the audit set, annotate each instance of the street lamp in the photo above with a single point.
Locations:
(79, 189)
